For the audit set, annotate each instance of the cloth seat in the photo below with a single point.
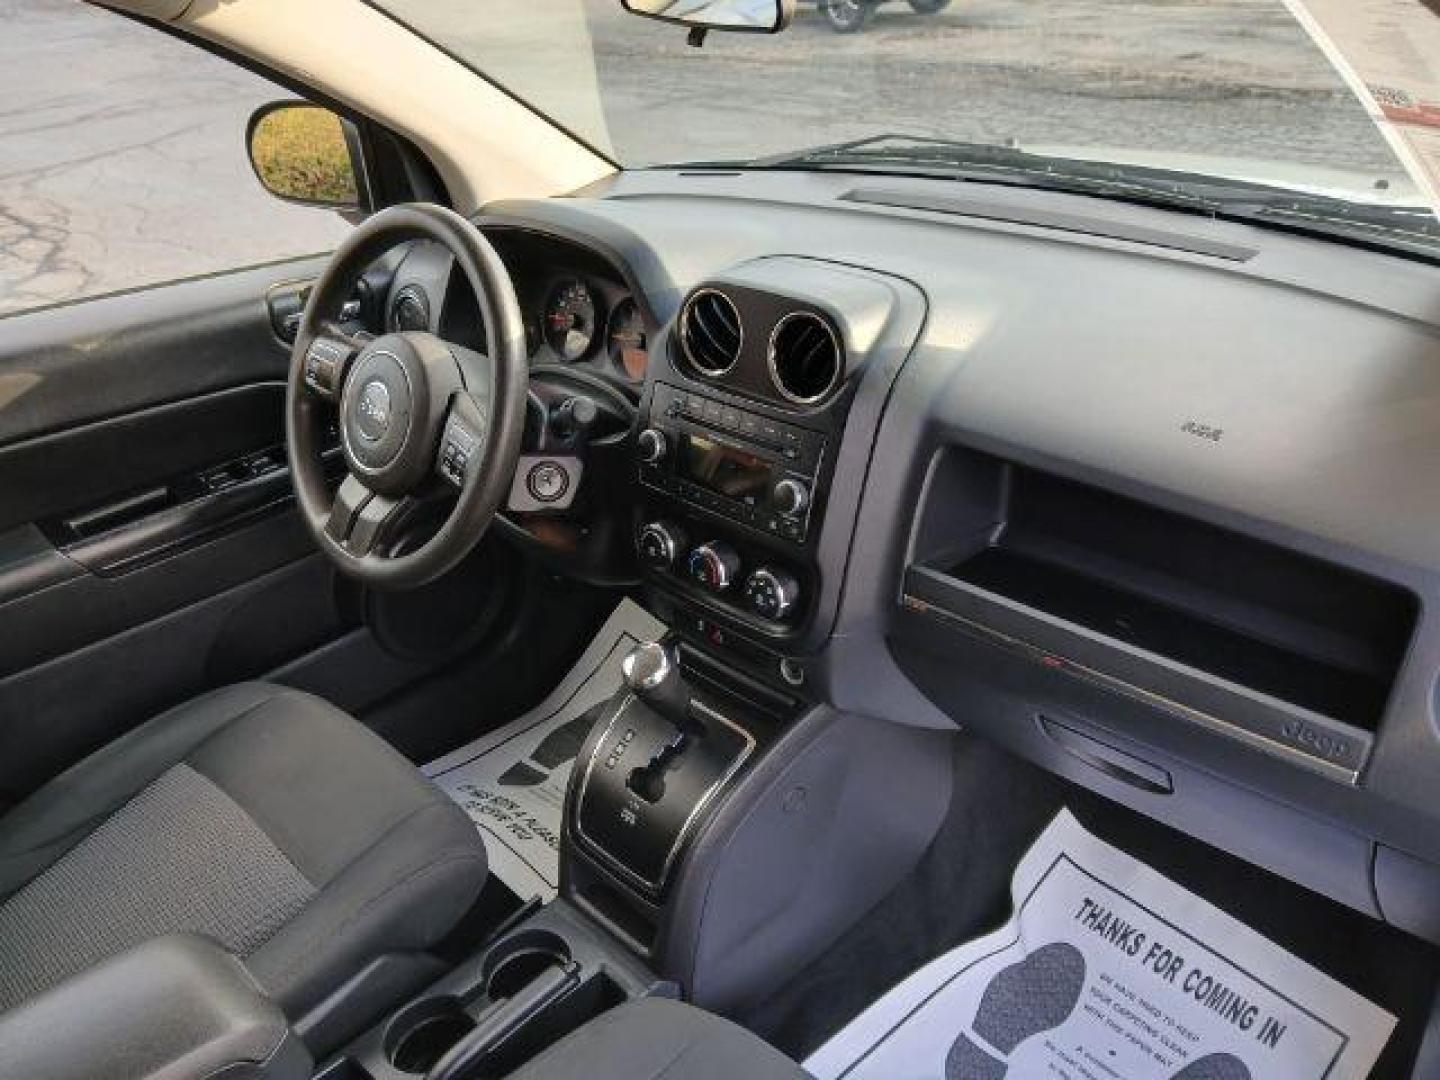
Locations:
(655, 1039)
(258, 816)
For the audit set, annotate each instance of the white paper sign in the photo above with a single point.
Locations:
(1109, 971)
(512, 781)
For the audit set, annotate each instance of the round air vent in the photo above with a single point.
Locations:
(805, 358)
(410, 310)
(710, 332)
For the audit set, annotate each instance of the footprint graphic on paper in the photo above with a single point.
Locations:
(1033, 995)
(556, 749)
(1214, 1067)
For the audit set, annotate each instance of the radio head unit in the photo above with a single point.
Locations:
(756, 471)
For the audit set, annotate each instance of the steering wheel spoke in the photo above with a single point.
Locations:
(376, 524)
(350, 497)
(361, 520)
(327, 360)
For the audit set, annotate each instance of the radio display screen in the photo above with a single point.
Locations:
(726, 470)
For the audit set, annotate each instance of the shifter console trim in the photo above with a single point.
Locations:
(692, 818)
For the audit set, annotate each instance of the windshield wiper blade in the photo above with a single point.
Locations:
(908, 146)
(1413, 228)
(987, 162)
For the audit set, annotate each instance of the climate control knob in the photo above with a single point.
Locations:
(660, 544)
(652, 446)
(771, 594)
(790, 497)
(714, 565)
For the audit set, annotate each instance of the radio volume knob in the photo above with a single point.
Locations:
(714, 565)
(652, 446)
(790, 497)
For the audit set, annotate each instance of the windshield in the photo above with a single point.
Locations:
(1224, 88)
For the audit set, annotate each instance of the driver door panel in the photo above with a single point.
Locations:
(149, 545)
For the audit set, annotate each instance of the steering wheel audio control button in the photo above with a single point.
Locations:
(458, 445)
(325, 366)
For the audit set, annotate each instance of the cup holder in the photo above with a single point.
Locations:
(518, 960)
(421, 1035)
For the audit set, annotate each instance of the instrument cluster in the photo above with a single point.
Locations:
(574, 319)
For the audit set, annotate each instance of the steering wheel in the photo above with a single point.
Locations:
(415, 413)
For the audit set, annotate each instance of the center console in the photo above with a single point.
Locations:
(662, 754)
(656, 758)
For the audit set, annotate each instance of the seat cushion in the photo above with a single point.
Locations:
(654, 1039)
(258, 816)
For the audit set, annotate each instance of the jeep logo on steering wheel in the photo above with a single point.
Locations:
(372, 411)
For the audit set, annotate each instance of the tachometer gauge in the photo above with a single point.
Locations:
(570, 319)
(625, 340)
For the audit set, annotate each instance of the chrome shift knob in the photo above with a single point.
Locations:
(652, 673)
(647, 666)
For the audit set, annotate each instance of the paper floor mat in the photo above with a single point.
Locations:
(1109, 971)
(512, 781)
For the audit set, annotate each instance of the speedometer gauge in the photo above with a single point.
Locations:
(625, 340)
(570, 320)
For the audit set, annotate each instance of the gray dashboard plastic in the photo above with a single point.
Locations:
(1116, 363)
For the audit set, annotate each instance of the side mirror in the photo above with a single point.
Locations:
(307, 154)
(745, 16)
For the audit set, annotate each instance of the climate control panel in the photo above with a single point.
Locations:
(752, 581)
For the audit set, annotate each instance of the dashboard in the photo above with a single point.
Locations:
(1149, 499)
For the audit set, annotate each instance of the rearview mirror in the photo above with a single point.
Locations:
(746, 16)
(303, 153)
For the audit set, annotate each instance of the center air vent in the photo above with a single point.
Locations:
(805, 358)
(710, 332)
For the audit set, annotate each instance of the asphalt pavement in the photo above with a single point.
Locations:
(122, 160)
(1234, 78)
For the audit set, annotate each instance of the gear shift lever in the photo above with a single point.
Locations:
(652, 673)
(652, 768)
